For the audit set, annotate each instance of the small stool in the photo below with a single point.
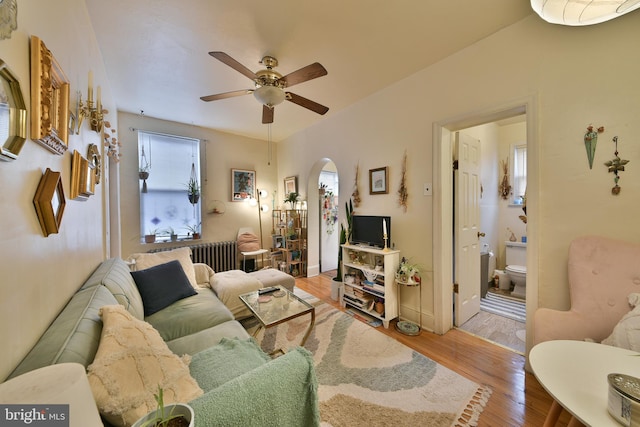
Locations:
(255, 254)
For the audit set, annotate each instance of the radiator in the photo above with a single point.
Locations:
(221, 256)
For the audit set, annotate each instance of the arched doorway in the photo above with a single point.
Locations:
(320, 232)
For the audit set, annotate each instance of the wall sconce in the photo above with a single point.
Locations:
(96, 114)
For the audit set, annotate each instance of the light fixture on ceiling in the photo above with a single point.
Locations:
(580, 12)
(269, 95)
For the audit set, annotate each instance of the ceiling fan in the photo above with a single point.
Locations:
(270, 85)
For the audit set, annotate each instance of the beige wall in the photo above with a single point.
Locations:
(221, 152)
(579, 76)
(40, 274)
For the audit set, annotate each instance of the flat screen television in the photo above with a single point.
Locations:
(367, 230)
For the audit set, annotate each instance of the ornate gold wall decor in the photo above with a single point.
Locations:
(49, 99)
(95, 161)
(83, 179)
(49, 202)
(13, 115)
(8, 18)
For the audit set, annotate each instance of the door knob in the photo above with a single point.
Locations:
(481, 234)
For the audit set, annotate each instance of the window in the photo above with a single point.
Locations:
(519, 173)
(167, 164)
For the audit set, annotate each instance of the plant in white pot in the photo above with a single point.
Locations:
(172, 415)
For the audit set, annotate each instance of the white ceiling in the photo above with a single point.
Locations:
(156, 51)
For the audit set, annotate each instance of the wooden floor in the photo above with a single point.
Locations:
(517, 399)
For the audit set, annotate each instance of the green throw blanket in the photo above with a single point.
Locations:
(278, 392)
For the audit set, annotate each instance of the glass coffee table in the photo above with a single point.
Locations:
(277, 307)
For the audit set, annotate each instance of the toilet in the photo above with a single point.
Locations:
(517, 267)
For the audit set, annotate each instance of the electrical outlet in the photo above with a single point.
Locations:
(428, 190)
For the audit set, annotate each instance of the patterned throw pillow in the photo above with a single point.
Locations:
(131, 363)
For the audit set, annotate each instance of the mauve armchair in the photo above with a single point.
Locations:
(602, 273)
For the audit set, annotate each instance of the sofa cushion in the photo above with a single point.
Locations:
(147, 260)
(190, 315)
(230, 358)
(115, 275)
(131, 363)
(73, 336)
(198, 341)
(162, 285)
(229, 285)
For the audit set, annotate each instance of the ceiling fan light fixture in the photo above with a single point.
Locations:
(579, 12)
(269, 95)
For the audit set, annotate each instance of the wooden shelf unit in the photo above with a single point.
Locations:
(358, 262)
(290, 231)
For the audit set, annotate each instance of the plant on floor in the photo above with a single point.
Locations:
(161, 418)
(345, 236)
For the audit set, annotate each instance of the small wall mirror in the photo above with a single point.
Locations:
(13, 115)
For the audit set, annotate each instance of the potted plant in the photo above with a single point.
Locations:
(336, 282)
(193, 191)
(292, 198)
(407, 273)
(171, 233)
(150, 237)
(345, 236)
(194, 231)
(172, 415)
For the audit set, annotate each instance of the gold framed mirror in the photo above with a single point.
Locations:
(83, 182)
(49, 99)
(49, 202)
(13, 115)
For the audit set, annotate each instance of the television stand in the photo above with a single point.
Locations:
(365, 285)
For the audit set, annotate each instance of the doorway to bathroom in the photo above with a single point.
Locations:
(500, 316)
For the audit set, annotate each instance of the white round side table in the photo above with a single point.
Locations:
(404, 326)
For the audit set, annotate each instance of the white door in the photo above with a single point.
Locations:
(466, 228)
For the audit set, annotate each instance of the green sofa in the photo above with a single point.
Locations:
(242, 385)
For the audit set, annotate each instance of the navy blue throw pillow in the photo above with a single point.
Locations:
(162, 285)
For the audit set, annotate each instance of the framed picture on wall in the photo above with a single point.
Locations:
(378, 183)
(290, 185)
(243, 185)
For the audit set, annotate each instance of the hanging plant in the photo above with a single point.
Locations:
(403, 194)
(356, 191)
(193, 188)
(590, 142)
(193, 191)
(505, 187)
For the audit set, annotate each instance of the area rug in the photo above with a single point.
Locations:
(508, 307)
(369, 379)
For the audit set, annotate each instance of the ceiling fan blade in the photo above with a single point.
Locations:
(223, 57)
(307, 103)
(304, 74)
(226, 95)
(267, 114)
